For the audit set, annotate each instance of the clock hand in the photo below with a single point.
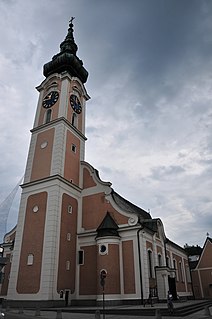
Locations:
(48, 97)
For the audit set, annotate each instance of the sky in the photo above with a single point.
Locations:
(149, 119)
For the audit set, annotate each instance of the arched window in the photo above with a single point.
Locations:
(175, 267)
(149, 256)
(74, 119)
(48, 115)
(167, 261)
(159, 260)
(181, 272)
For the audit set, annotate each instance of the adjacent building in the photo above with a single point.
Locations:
(202, 272)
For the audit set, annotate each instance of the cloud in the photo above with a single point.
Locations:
(163, 172)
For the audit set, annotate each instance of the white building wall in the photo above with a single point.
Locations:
(28, 170)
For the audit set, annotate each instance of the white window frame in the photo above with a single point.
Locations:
(68, 265)
(70, 209)
(30, 259)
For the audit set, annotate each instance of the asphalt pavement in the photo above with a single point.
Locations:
(69, 313)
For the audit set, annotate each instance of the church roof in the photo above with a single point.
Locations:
(209, 239)
(129, 207)
(151, 224)
(67, 59)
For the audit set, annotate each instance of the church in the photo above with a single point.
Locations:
(76, 237)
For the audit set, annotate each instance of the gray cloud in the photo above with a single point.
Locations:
(162, 172)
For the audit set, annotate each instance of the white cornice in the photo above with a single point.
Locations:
(51, 124)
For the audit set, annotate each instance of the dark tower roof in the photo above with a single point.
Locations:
(67, 59)
(108, 227)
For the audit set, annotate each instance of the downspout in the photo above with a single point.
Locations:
(139, 261)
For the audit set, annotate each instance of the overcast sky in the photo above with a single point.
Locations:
(150, 114)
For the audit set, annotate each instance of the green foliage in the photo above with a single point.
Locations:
(193, 250)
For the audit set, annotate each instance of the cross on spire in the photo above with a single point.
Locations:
(71, 20)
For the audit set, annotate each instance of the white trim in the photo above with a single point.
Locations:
(30, 158)
(64, 98)
(205, 268)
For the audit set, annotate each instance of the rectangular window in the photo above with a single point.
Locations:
(67, 265)
(150, 263)
(73, 148)
(69, 209)
(30, 259)
(81, 257)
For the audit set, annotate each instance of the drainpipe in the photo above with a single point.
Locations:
(139, 260)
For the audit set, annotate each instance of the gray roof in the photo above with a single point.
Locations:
(129, 207)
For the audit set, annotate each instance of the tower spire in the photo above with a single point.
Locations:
(69, 45)
(66, 59)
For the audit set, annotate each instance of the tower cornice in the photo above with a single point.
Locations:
(55, 122)
(51, 178)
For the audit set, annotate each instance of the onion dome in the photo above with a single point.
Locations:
(66, 59)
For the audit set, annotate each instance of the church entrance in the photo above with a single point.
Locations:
(172, 287)
(67, 298)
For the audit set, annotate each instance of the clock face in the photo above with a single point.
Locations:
(75, 104)
(50, 99)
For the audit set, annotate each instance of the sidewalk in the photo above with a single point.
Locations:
(53, 315)
(68, 313)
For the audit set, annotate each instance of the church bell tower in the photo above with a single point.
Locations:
(44, 258)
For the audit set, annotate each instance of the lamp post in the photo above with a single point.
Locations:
(103, 275)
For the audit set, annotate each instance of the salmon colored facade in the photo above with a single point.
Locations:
(29, 273)
(202, 273)
(72, 226)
